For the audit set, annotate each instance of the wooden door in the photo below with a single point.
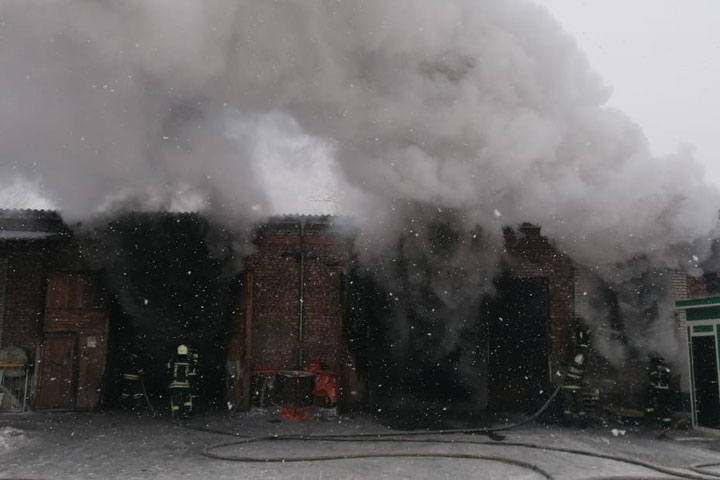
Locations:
(90, 368)
(75, 330)
(56, 382)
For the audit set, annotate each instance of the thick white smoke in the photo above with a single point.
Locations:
(481, 106)
(484, 107)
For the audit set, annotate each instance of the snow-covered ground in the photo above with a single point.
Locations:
(10, 438)
(124, 446)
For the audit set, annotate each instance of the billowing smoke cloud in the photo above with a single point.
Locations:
(483, 107)
(633, 317)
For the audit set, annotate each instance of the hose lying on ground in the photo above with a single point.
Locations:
(208, 451)
(466, 456)
(702, 468)
(403, 437)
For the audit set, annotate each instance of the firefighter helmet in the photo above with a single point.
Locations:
(182, 350)
(656, 358)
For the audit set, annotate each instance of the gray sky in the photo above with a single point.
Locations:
(662, 58)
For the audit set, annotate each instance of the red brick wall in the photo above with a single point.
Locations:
(276, 276)
(276, 300)
(533, 256)
(270, 302)
(323, 338)
(28, 264)
(696, 288)
(24, 298)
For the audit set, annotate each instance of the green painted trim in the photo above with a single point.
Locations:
(693, 398)
(699, 302)
(693, 409)
(703, 328)
(717, 361)
(705, 322)
(706, 313)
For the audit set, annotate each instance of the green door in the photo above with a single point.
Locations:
(705, 381)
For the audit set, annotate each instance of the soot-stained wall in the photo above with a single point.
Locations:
(533, 256)
(47, 310)
(24, 296)
(168, 280)
(292, 299)
(29, 240)
(417, 373)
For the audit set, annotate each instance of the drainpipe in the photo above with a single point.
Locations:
(301, 305)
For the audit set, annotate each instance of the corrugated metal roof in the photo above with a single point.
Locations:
(30, 224)
(25, 235)
(310, 224)
(308, 218)
(27, 212)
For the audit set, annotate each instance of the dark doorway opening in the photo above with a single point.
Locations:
(518, 345)
(413, 378)
(707, 398)
(169, 281)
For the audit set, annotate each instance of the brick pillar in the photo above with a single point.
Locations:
(25, 286)
(678, 289)
(583, 288)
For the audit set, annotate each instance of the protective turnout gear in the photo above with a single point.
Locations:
(182, 369)
(572, 389)
(573, 408)
(658, 393)
(131, 392)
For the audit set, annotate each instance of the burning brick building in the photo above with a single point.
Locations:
(78, 301)
(292, 305)
(52, 307)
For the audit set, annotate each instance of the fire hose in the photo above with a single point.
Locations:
(207, 452)
(702, 468)
(403, 437)
(145, 394)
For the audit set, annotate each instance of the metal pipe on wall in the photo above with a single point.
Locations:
(301, 318)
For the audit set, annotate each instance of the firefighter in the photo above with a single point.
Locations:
(573, 408)
(131, 387)
(582, 335)
(658, 394)
(182, 370)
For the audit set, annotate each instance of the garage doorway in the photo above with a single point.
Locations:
(705, 380)
(518, 345)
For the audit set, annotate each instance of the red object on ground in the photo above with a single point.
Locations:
(326, 386)
(296, 413)
(325, 382)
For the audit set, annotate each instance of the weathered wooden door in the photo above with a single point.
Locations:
(56, 382)
(72, 359)
(90, 367)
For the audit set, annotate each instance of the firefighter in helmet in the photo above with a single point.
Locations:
(573, 408)
(182, 369)
(658, 393)
(131, 393)
(582, 335)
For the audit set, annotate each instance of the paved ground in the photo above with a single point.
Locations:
(124, 446)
